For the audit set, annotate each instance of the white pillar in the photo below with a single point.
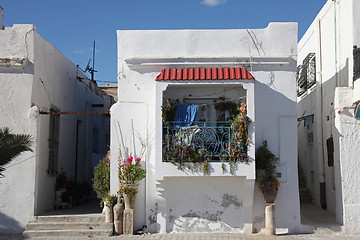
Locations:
(270, 228)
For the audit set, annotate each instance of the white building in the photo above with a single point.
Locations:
(35, 78)
(190, 65)
(328, 92)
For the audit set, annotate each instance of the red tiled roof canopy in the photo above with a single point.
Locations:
(204, 74)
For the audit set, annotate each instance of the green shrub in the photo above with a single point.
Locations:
(101, 180)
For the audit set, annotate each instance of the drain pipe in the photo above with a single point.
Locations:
(322, 164)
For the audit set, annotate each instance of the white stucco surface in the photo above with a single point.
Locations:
(331, 37)
(171, 200)
(46, 80)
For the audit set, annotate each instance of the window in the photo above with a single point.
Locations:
(306, 74)
(53, 141)
(356, 68)
(96, 140)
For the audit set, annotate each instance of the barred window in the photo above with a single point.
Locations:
(306, 74)
(356, 68)
(301, 80)
(53, 141)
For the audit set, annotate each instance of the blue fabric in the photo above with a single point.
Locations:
(185, 115)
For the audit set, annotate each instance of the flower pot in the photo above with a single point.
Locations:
(128, 200)
(269, 191)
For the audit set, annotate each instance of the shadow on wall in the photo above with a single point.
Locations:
(276, 114)
(9, 225)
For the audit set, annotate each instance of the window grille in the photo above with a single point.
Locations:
(301, 80)
(310, 64)
(53, 141)
(306, 74)
(356, 68)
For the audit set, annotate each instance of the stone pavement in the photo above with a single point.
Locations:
(208, 236)
(323, 223)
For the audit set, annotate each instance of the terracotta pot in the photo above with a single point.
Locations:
(269, 192)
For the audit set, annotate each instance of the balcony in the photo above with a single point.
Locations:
(202, 142)
(219, 137)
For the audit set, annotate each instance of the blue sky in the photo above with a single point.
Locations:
(73, 25)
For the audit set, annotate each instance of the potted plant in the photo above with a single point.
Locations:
(266, 162)
(130, 172)
(101, 180)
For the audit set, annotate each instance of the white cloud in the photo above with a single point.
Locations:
(213, 2)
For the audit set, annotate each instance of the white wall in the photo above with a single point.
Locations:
(270, 57)
(56, 84)
(331, 37)
(18, 185)
(48, 79)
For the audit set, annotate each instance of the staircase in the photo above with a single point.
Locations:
(47, 227)
(305, 196)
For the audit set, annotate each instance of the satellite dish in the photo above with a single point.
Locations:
(88, 66)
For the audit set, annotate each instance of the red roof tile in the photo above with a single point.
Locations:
(204, 74)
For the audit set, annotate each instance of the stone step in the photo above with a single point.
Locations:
(67, 225)
(71, 218)
(66, 233)
(332, 229)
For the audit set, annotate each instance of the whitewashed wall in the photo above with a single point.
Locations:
(48, 79)
(331, 37)
(15, 94)
(270, 55)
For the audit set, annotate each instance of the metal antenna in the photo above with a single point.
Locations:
(93, 68)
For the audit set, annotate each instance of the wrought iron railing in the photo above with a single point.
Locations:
(215, 141)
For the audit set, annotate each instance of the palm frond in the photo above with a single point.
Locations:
(11, 145)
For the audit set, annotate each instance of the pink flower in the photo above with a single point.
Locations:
(138, 159)
(129, 160)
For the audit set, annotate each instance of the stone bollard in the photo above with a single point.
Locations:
(270, 228)
(128, 221)
(108, 212)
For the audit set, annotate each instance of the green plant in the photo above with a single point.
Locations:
(128, 189)
(61, 181)
(101, 180)
(73, 189)
(266, 161)
(110, 199)
(205, 167)
(130, 172)
(168, 111)
(240, 125)
(11, 145)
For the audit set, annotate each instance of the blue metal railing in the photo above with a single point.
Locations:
(202, 140)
